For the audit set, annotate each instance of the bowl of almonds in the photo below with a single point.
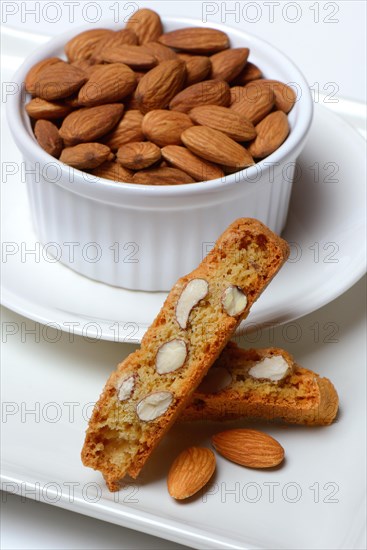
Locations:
(143, 141)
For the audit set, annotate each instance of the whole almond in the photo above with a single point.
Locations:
(208, 92)
(48, 137)
(85, 155)
(116, 39)
(109, 83)
(228, 64)
(39, 108)
(129, 129)
(249, 448)
(32, 75)
(285, 96)
(59, 80)
(198, 68)
(160, 52)
(190, 472)
(248, 74)
(253, 102)
(216, 147)
(271, 133)
(146, 24)
(165, 127)
(135, 57)
(138, 155)
(162, 176)
(112, 170)
(199, 169)
(226, 120)
(83, 44)
(90, 123)
(156, 89)
(199, 40)
(85, 65)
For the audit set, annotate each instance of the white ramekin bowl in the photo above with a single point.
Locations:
(144, 237)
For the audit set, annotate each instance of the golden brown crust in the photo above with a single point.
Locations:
(303, 397)
(247, 255)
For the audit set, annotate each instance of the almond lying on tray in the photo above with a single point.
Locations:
(173, 88)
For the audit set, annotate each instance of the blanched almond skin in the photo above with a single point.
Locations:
(208, 92)
(156, 89)
(190, 472)
(138, 155)
(85, 155)
(107, 84)
(162, 176)
(39, 108)
(129, 129)
(216, 147)
(146, 24)
(164, 127)
(223, 119)
(113, 171)
(135, 57)
(58, 81)
(199, 40)
(228, 64)
(83, 44)
(249, 448)
(90, 123)
(271, 133)
(48, 137)
(32, 75)
(199, 169)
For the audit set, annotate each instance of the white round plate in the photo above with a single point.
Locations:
(326, 229)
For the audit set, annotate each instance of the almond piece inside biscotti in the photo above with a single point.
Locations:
(199, 316)
(264, 384)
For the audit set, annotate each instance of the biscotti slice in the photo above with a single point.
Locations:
(264, 384)
(150, 389)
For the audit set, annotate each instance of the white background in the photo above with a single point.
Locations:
(327, 41)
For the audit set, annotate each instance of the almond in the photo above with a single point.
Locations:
(90, 123)
(231, 123)
(285, 96)
(228, 64)
(199, 169)
(146, 24)
(138, 155)
(109, 83)
(162, 176)
(253, 102)
(48, 137)
(156, 89)
(40, 108)
(198, 68)
(271, 132)
(160, 52)
(85, 65)
(165, 127)
(83, 44)
(129, 129)
(59, 80)
(85, 155)
(248, 74)
(116, 39)
(249, 448)
(135, 57)
(32, 75)
(216, 147)
(200, 40)
(190, 472)
(208, 92)
(112, 170)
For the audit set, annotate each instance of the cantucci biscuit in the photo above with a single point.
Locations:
(264, 384)
(152, 386)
